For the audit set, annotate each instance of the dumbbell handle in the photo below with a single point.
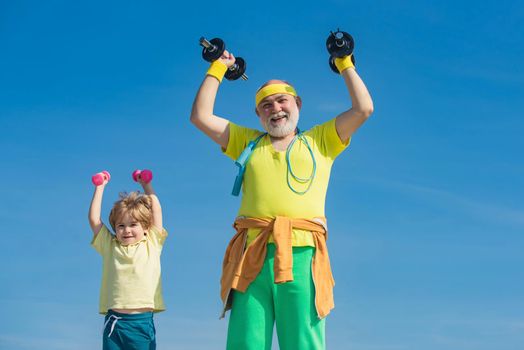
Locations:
(206, 44)
(243, 76)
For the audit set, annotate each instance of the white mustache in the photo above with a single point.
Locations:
(279, 115)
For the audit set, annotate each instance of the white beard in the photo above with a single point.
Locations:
(284, 129)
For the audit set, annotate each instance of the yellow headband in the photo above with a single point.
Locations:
(274, 89)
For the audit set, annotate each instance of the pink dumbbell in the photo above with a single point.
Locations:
(100, 177)
(144, 175)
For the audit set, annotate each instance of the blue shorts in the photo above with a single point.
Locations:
(129, 331)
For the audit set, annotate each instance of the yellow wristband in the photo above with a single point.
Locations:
(344, 63)
(217, 69)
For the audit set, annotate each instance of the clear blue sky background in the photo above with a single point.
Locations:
(425, 207)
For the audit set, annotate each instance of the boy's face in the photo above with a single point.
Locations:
(279, 114)
(129, 230)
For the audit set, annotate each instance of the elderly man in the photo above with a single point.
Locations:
(276, 267)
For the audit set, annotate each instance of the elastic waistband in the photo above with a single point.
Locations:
(140, 316)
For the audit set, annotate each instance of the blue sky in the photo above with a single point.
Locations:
(425, 208)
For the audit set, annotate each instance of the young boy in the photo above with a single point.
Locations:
(131, 288)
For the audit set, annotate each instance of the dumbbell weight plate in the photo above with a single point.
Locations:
(136, 174)
(146, 175)
(334, 67)
(340, 44)
(240, 68)
(214, 52)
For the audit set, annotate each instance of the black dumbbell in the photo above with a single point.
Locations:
(213, 49)
(339, 44)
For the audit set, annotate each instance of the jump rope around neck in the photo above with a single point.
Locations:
(243, 159)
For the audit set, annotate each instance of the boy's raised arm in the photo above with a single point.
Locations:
(156, 209)
(95, 209)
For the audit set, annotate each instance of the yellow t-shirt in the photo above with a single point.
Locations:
(265, 191)
(130, 274)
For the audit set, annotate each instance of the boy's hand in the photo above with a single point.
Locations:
(143, 177)
(101, 178)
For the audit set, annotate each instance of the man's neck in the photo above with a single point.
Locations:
(281, 143)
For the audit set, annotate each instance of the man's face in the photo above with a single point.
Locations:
(279, 114)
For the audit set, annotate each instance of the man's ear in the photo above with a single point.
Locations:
(256, 111)
(299, 102)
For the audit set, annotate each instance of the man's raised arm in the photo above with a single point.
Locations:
(362, 105)
(202, 116)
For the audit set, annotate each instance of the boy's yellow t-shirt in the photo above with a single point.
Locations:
(131, 276)
(265, 190)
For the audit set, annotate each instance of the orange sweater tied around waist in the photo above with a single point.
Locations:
(241, 266)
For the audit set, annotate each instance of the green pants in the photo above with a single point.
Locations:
(129, 331)
(291, 305)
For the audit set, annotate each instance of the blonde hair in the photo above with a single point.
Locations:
(137, 205)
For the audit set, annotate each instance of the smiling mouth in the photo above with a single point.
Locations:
(277, 118)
